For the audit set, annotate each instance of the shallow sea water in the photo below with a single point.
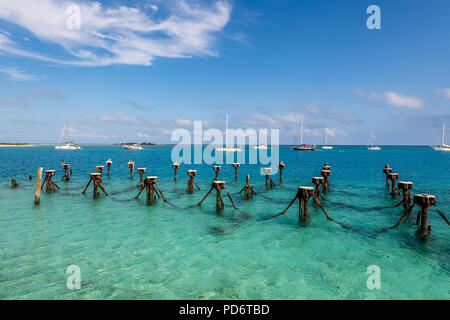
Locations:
(127, 249)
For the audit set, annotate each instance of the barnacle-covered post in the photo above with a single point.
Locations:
(99, 169)
(96, 179)
(236, 166)
(405, 187)
(325, 174)
(317, 181)
(175, 167)
(304, 193)
(267, 172)
(50, 186)
(386, 171)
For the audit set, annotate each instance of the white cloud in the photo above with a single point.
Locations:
(444, 92)
(183, 122)
(14, 73)
(143, 135)
(393, 98)
(403, 100)
(311, 107)
(113, 35)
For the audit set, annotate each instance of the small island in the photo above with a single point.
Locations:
(137, 143)
(18, 144)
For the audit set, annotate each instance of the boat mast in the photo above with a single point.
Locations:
(63, 133)
(301, 134)
(443, 134)
(326, 136)
(372, 138)
(226, 131)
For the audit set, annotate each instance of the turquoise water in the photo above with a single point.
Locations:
(127, 249)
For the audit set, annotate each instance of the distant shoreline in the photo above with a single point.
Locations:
(16, 145)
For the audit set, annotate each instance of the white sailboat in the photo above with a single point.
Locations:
(371, 147)
(443, 146)
(302, 146)
(261, 147)
(326, 146)
(132, 147)
(228, 147)
(69, 145)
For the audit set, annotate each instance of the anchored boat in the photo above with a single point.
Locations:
(443, 146)
(302, 146)
(69, 145)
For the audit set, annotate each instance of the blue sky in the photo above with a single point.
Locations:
(137, 70)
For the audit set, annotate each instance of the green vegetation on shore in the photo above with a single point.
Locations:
(13, 144)
(141, 143)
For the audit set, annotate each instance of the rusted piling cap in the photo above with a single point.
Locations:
(217, 168)
(141, 170)
(387, 170)
(95, 174)
(100, 167)
(49, 172)
(325, 173)
(175, 165)
(393, 176)
(306, 192)
(192, 173)
(131, 164)
(405, 185)
(317, 180)
(108, 162)
(218, 185)
(65, 166)
(326, 168)
(267, 171)
(281, 165)
(152, 179)
(425, 199)
(236, 165)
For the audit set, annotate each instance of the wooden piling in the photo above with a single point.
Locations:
(216, 170)
(317, 181)
(190, 184)
(99, 169)
(141, 172)
(14, 184)
(66, 168)
(37, 195)
(267, 172)
(131, 166)
(405, 187)
(108, 164)
(325, 174)
(175, 167)
(424, 201)
(96, 179)
(50, 186)
(304, 193)
(393, 177)
(386, 171)
(281, 167)
(236, 166)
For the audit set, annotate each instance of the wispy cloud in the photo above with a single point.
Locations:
(393, 98)
(17, 74)
(114, 35)
(13, 103)
(444, 92)
(137, 105)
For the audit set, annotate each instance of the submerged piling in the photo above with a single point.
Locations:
(218, 186)
(14, 184)
(216, 170)
(108, 164)
(37, 195)
(141, 172)
(424, 201)
(96, 178)
(190, 184)
(325, 174)
(393, 177)
(405, 187)
(267, 172)
(99, 169)
(131, 166)
(175, 167)
(281, 166)
(66, 168)
(248, 189)
(236, 166)
(386, 171)
(50, 186)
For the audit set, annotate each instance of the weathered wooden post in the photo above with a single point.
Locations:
(325, 174)
(326, 167)
(37, 195)
(218, 186)
(267, 172)
(151, 186)
(175, 167)
(317, 181)
(190, 184)
(405, 187)
(236, 166)
(304, 193)
(131, 166)
(108, 164)
(96, 178)
(386, 171)
(281, 166)
(99, 169)
(246, 188)
(393, 177)
(216, 170)
(66, 167)
(14, 184)
(141, 172)
(424, 201)
(50, 186)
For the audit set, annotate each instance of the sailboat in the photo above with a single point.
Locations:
(326, 146)
(228, 148)
(443, 146)
(372, 147)
(133, 146)
(69, 145)
(302, 146)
